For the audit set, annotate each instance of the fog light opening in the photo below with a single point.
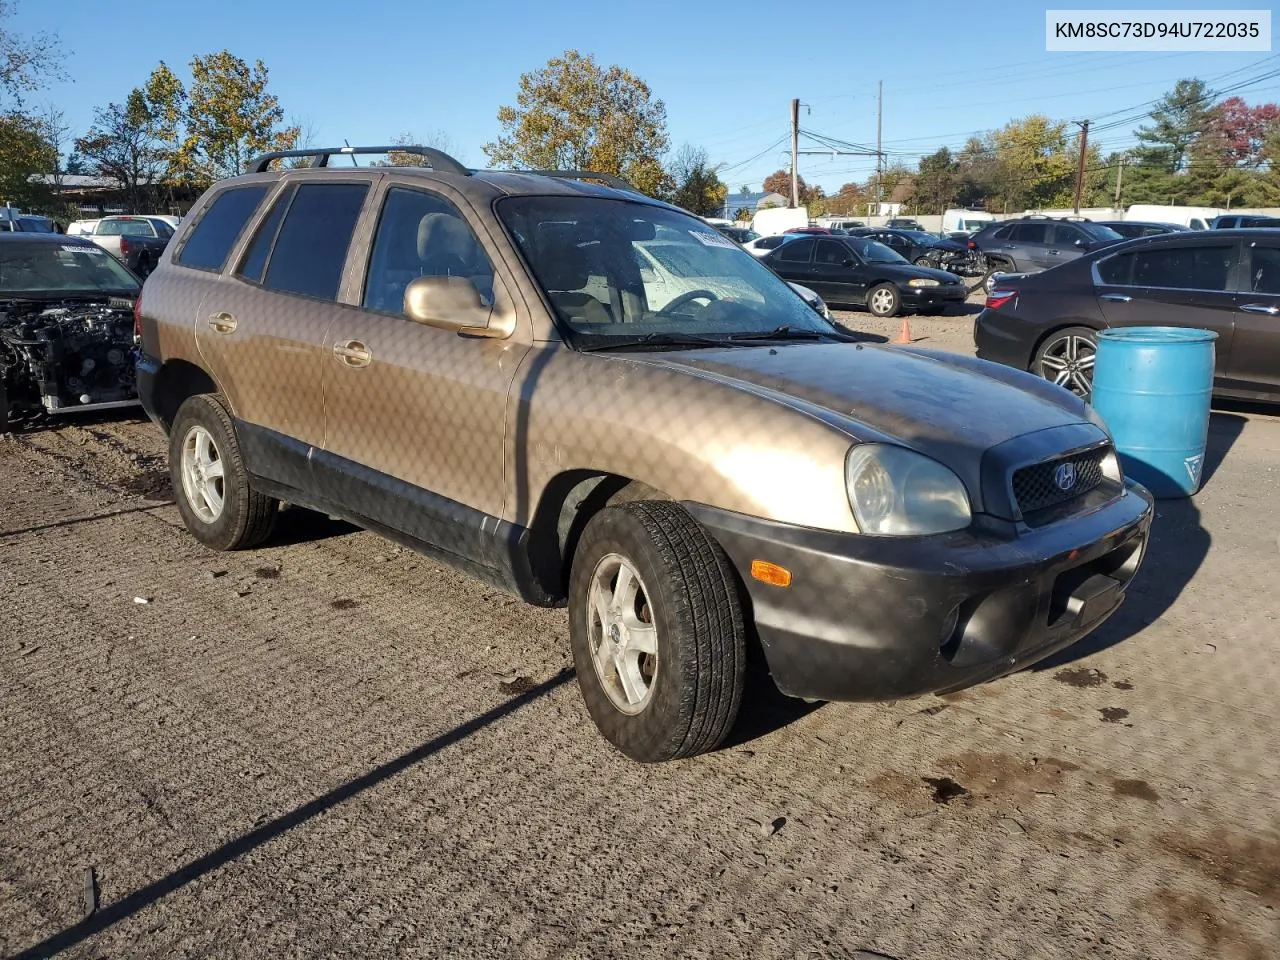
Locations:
(951, 633)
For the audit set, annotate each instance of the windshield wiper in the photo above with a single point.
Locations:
(783, 332)
(661, 340)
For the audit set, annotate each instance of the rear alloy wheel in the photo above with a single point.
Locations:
(884, 300)
(1066, 357)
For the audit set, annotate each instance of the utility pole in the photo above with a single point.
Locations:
(1120, 180)
(795, 147)
(879, 154)
(1084, 146)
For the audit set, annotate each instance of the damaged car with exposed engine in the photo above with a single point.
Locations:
(66, 328)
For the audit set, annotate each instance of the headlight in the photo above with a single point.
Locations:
(897, 492)
(922, 282)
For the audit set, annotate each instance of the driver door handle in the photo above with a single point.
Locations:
(1268, 309)
(222, 322)
(1115, 298)
(353, 353)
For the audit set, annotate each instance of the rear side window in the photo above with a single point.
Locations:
(1002, 233)
(1171, 268)
(1031, 233)
(209, 243)
(797, 251)
(311, 248)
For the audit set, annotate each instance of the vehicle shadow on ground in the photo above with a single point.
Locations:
(133, 903)
(297, 525)
(1178, 546)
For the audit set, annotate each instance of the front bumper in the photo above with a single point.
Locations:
(872, 618)
(932, 296)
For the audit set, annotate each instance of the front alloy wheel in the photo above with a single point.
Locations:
(1067, 359)
(623, 637)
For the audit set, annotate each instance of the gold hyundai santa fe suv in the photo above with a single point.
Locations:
(591, 397)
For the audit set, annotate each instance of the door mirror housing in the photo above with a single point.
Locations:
(1081, 244)
(454, 303)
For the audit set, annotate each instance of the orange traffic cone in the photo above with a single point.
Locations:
(904, 333)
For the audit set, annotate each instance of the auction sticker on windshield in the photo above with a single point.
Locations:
(712, 239)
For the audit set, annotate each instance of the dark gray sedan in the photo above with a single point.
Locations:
(1227, 281)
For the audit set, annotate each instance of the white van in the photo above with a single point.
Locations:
(965, 221)
(1195, 218)
(774, 220)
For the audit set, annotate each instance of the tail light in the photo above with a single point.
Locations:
(972, 245)
(998, 298)
(124, 246)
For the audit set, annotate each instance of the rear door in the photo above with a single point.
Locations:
(1255, 352)
(262, 327)
(1173, 285)
(834, 279)
(794, 261)
(1029, 246)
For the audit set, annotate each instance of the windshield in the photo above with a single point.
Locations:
(61, 269)
(125, 228)
(618, 269)
(873, 252)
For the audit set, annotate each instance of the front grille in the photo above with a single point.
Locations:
(1047, 484)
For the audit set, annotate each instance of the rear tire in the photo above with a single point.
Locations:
(883, 300)
(210, 483)
(1065, 357)
(656, 626)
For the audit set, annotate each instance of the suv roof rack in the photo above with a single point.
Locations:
(609, 179)
(440, 161)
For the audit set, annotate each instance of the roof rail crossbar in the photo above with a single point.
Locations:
(439, 160)
(610, 179)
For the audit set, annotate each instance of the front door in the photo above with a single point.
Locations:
(416, 415)
(833, 277)
(1176, 285)
(1255, 352)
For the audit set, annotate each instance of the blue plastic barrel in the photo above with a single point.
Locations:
(1152, 385)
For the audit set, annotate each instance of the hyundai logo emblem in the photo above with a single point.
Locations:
(1065, 476)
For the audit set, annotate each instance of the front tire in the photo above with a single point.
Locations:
(656, 626)
(210, 483)
(883, 300)
(1066, 357)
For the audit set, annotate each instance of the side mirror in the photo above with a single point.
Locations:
(454, 303)
(849, 262)
(1080, 243)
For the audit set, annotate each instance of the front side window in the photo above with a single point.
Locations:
(591, 256)
(1264, 269)
(311, 249)
(209, 242)
(830, 252)
(422, 235)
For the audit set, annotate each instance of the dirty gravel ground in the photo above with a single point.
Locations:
(334, 747)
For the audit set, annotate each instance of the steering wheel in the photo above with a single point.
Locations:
(684, 298)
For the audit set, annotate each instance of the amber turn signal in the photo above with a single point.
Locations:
(771, 573)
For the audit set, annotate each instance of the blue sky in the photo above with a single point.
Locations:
(368, 71)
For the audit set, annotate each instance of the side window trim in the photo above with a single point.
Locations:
(1232, 284)
(284, 195)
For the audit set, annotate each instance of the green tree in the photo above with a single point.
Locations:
(1035, 163)
(24, 152)
(575, 114)
(120, 146)
(694, 184)
(166, 102)
(1164, 145)
(230, 117)
(937, 182)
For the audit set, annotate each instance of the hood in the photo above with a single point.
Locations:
(949, 245)
(946, 406)
(909, 271)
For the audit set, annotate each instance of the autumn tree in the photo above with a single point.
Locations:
(779, 182)
(230, 117)
(694, 183)
(849, 200)
(575, 114)
(165, 98)
(120, 146)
